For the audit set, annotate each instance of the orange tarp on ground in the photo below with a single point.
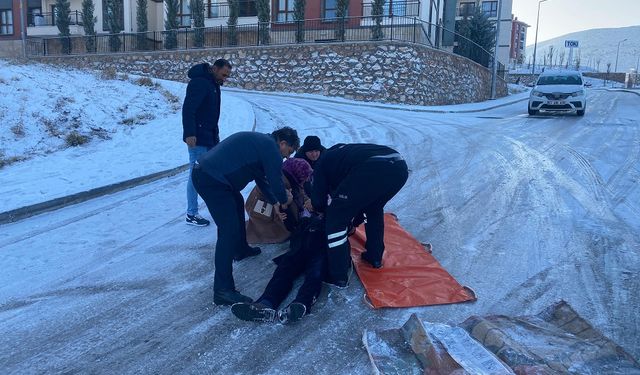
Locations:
(410, 275)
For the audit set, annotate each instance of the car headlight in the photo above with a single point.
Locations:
(537, 93)
(578, 93)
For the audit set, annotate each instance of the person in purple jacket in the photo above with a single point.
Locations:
(219, 176)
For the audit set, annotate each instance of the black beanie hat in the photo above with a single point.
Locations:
(312, 143)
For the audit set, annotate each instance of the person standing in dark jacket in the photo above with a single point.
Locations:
(358, 178)
(220, 174)
(200, 114)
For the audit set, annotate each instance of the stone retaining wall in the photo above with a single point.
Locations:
(389, 72)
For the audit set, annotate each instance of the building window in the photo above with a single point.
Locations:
(285, 11)
(247, 9)
(6, 22)
(467, 9)
(490, 8)
(330, 9)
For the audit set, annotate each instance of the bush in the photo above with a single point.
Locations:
(7, 160)
(144, 81)
(18, 130)
(109, 73)
(74, 139)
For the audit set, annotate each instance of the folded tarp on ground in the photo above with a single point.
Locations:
(556, 341)
(410, 276)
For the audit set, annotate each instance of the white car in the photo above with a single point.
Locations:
(558, 91)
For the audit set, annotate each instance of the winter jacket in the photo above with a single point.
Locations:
(201, 108)
(264, 226)
(335, 165)
(244, 157)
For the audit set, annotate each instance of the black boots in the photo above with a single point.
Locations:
(373, 263)
(254, 312)
(249, 252)
(292, 313)
(229, 297)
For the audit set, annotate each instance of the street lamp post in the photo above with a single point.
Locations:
(535, 45)
(617, 53)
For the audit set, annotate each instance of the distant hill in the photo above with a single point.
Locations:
(596, 44)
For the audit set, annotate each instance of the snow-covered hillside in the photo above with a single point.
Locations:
(598, 47)
(65, 108)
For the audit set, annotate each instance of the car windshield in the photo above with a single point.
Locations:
(560, 80)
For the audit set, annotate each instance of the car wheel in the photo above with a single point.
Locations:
(580, 112)
(533, 112)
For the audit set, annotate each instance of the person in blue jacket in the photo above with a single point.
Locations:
(220, 174)
(200, 114)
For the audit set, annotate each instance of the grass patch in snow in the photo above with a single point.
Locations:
(8, 160)
(144, 81)
(18, 130)
(74, 139)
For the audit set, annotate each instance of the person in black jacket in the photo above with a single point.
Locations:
(310, 151)
(220, 175)
(358, 178)
(200, 114)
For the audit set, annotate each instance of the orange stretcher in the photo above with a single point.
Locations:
(410, 275)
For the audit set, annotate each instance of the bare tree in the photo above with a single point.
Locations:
(561, 57)
(551, 55)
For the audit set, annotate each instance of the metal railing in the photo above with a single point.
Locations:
(246, 8)
(49, 19)
(395, 8)
(349, 29)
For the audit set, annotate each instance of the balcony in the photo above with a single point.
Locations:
(221, 10)
(395, 8)
(43, 24)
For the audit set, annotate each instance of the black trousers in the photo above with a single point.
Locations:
(366, 189)
(226, 206)
(307, 257)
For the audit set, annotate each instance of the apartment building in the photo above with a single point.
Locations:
(10, 36)
(518, 41)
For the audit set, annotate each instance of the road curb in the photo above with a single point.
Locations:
(54, 204)
(624, 90)
(365, 104)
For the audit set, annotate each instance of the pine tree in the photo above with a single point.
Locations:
(115, 17)
(476, 37)
(342, 7)
(197, 14)
(171, 24)
(88, 24)
(298, 15)
(232, 22)
(376, 12)
(262, 8)
(63, 11)
(142, 25)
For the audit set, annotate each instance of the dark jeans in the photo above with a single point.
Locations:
(367, 189)
(307, 257)
(226, 206)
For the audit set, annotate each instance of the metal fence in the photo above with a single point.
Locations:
(395, 8)
(348, 29)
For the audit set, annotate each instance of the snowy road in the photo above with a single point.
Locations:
(525, 210)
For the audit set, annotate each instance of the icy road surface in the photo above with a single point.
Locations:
(525, 210)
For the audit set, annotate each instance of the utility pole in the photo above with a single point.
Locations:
(23, 30)
(535, 45)
(617, 53)
(494, 75)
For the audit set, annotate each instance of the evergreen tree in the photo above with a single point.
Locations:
(142, 25)
(298, 16)
(232, 22)
(63, 11)
(342, 7)
(197, 14)
(262, 8)
(376, 12)
(171, 24)
(88, 24)
(115, 16)
(476, 37)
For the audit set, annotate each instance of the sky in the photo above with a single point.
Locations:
(559, 17)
